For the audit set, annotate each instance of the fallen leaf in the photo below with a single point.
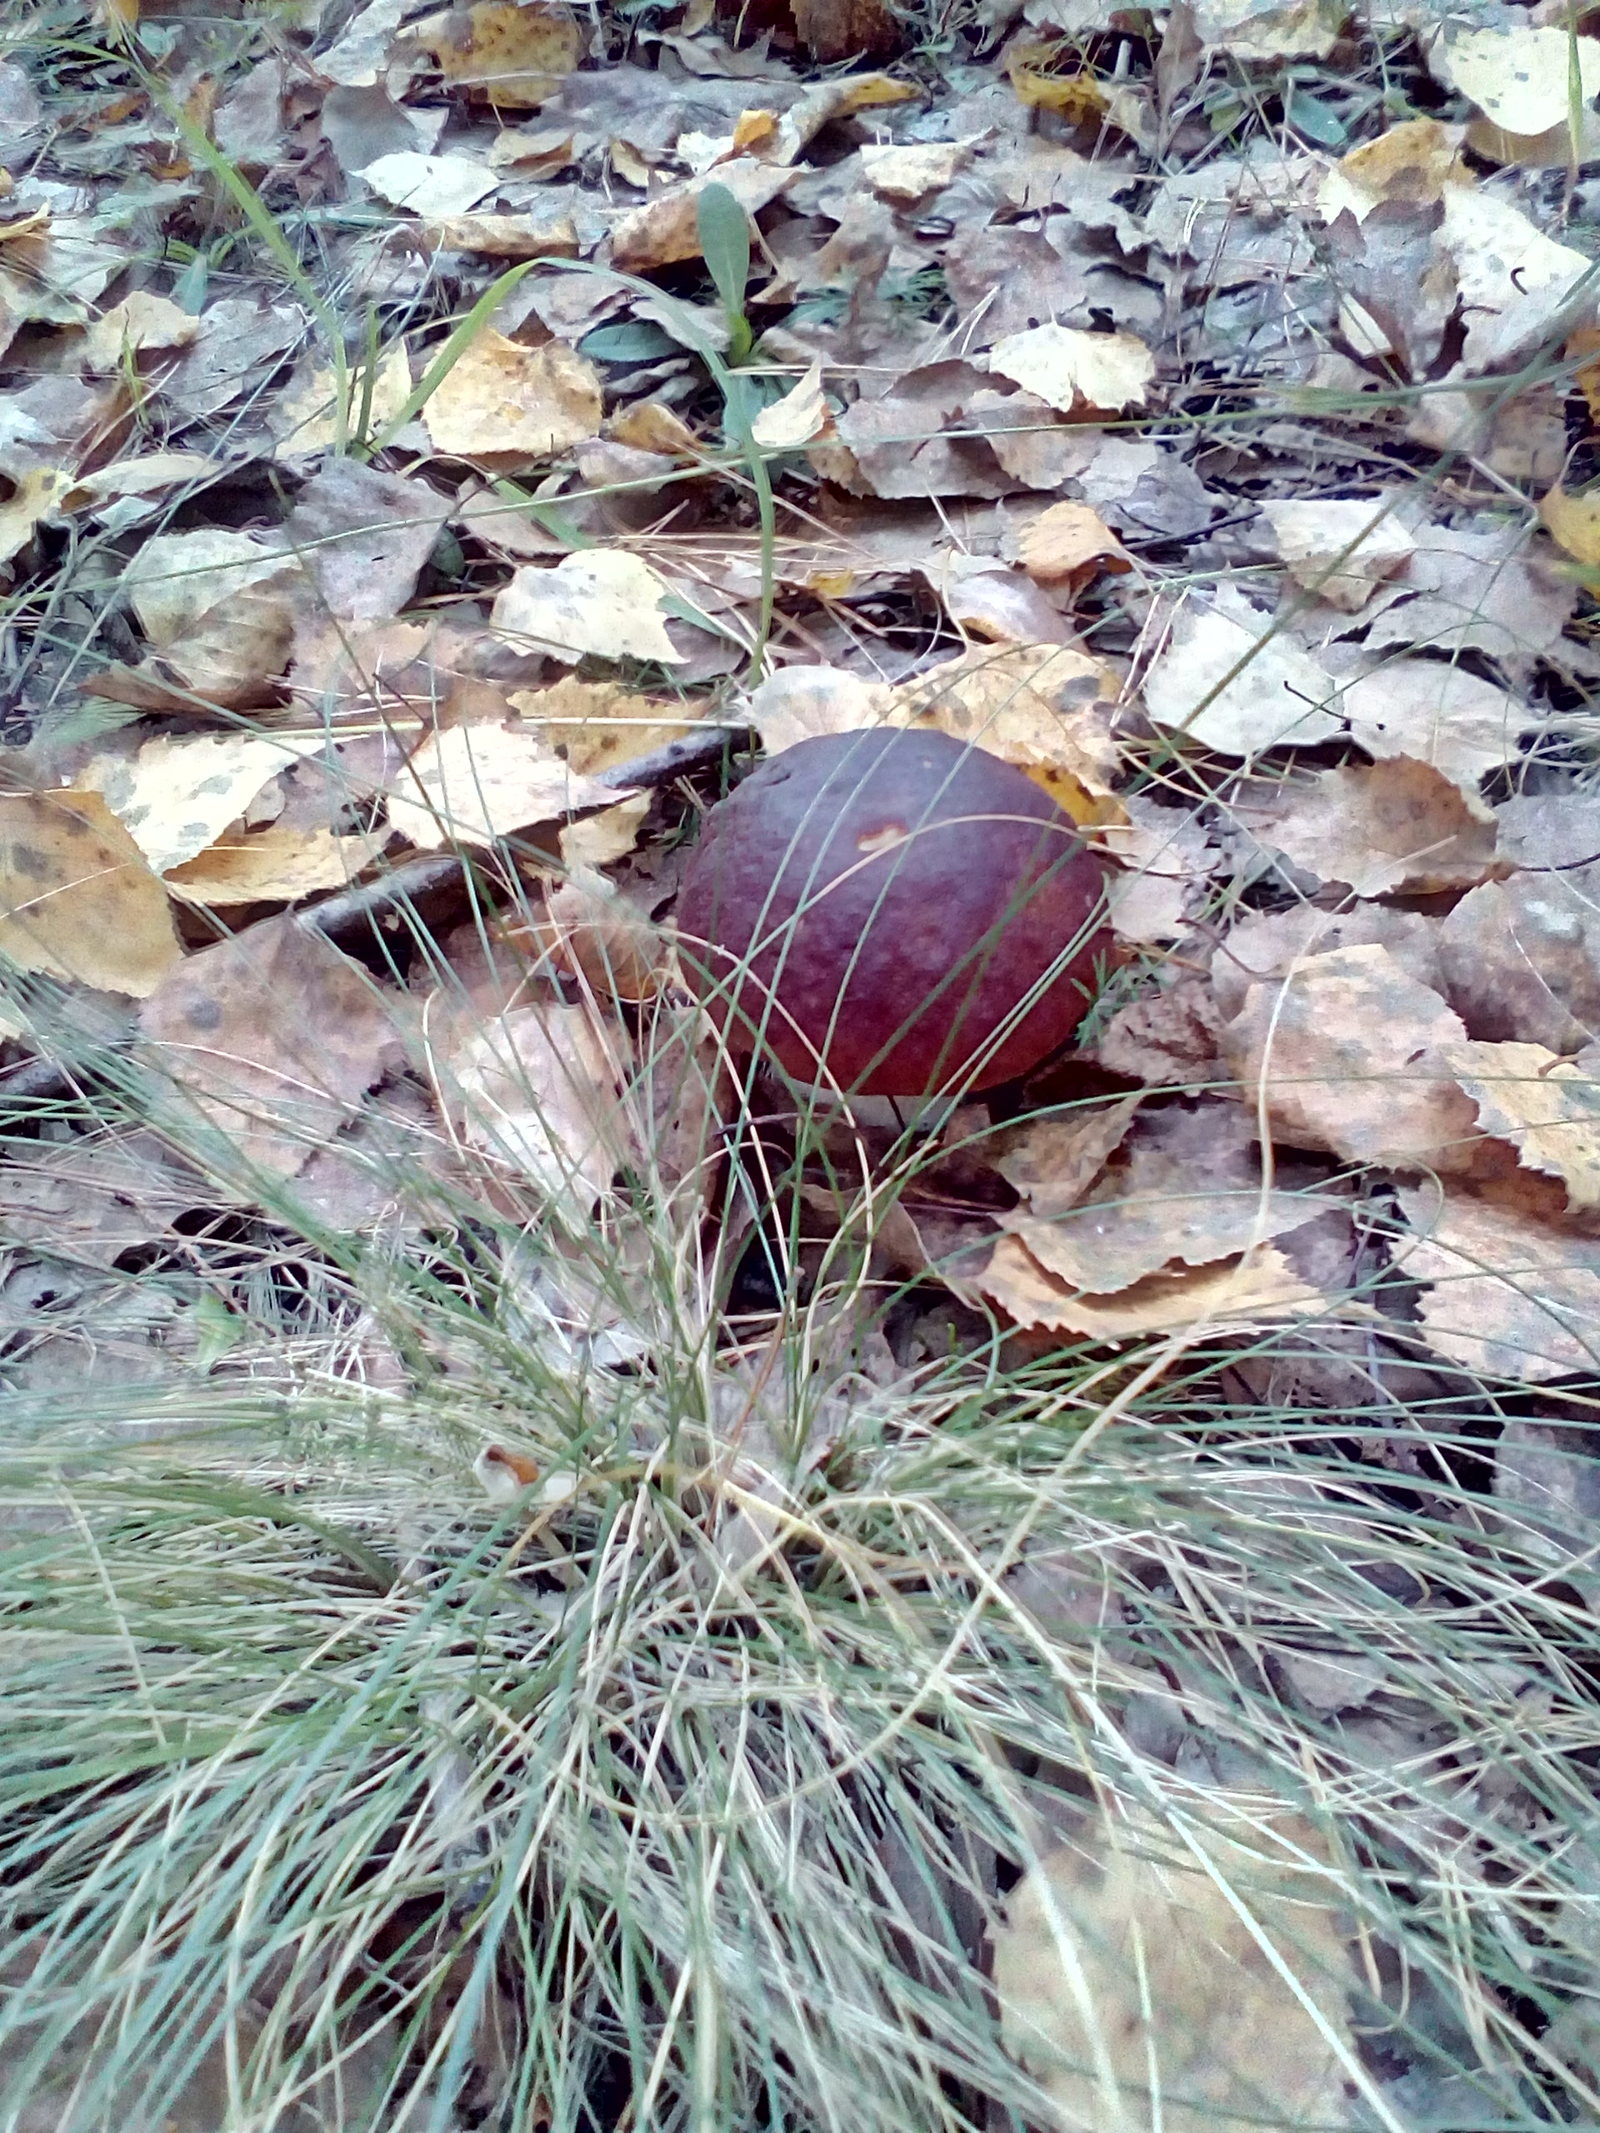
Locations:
(1215, 1968)
(1504, 1296)
(798, 703)
(140, 323)
(430, 186)
(651, 426)
(1384, 826)
(597, 935)
(1413, 161)
(1266, 945)
(148, 475)
(1046, 708)
(509, 52)
(1440, 713)
(846, 29)
(180, 792)
(801, 415)
(1270, 29)
(1515, 284)
(1053, 1160)
(473, 784)
(1524, 80)
(595, 725)
(667, 228)
(600, 840)
(1574, 523)
(360, 53)
(910, 173)
(77, 898)
(995, 604)
(603, 602)
(178, 578)
(307, 418)
(1345, 1053)
(537, 1088)
(1166, 858)
(275, 1036)
(1035, 74)
(1341, 548)
(273, 865)
(505, 407)
(505, 236)
(1548, 1108)
(1070, 544)
(364, 536)
(1236, 1294)
(1168, 1039)
(1231, 680)
(1481, 589)
(1521, 959)
(1069, 369)
(35, 497)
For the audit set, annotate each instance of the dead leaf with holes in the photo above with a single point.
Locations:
(1228, 678)
(1347, 1053)
(77, 897)
(1074, 371)
(1383, 826)
(505, 407)
(1547, 1107)
(1220, 1970)
(1505, 1295)
(274, 1037)
(1340, 548)
(1441, 714)
(603, 602)
(474, 784)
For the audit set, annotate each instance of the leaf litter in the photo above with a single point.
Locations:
(383, 614)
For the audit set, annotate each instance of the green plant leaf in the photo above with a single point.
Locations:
(725, 243)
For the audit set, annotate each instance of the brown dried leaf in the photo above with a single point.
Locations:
(599, 936)
(1046, 708)
(506, 407)
(307, 418)
(77, 897)
(1345, 1053)
(273, 865)
(1053, 1161)
(1438, 713)
(1508, 1296)
(1069, 544)
(1167, 1039)
(1389, 825)
(514, 53)
(275, 1035)
(141, 322)
(1547, 1108)
(364, 537)
(667, 229)
(1521, 958)
(1264, 944)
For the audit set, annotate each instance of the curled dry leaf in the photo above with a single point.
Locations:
(799, 417)
(1052, 1161)
(1389, 825)
(1076, 371)
(605, 602)
(180, 792)
(597, 935)
(275, 1036)
(473, 784)
(1438, 713)
(503, 406)
(1346, 1053)
(1340, 548)
(1237, 1293)
(1230, 680)
(1506, 1295)
(506, 236)
(1220, 1972)
(1548, 1108)
(77, 897)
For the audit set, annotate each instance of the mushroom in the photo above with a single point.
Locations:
(894, 912)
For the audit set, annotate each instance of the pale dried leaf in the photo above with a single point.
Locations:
(912, 172)
(1519, 77)
(538, 1089)
(273, 865)
(1047, 708)
(1515, 283)
(141, 321)
(1053, 1161)
(1547, 1107)
(1521, 958)
(431, 186)
(1438, 713)
(1123, 1962)
(667, 228)
(1264, 945)
(1069, 369)
(1383, 826)
(798, 703)
(36, 496)
(1415, 160)
(507, 407)
(1506, 1295)
(604, 602)
(178, 578)
(1230, 681)
(474, 784)
(595, 725)
(307, 420)
(1167, 859)
(1069, 544)
(600, 840)
(364, 537)
(1236, 1294)
(514, 53)
(507, 236)
(1345, 1054)
(77, 897)
(599, 936)
(801, 415)
(181, 791)
(1340, 548)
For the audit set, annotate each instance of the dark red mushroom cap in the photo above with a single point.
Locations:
(894, 913)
